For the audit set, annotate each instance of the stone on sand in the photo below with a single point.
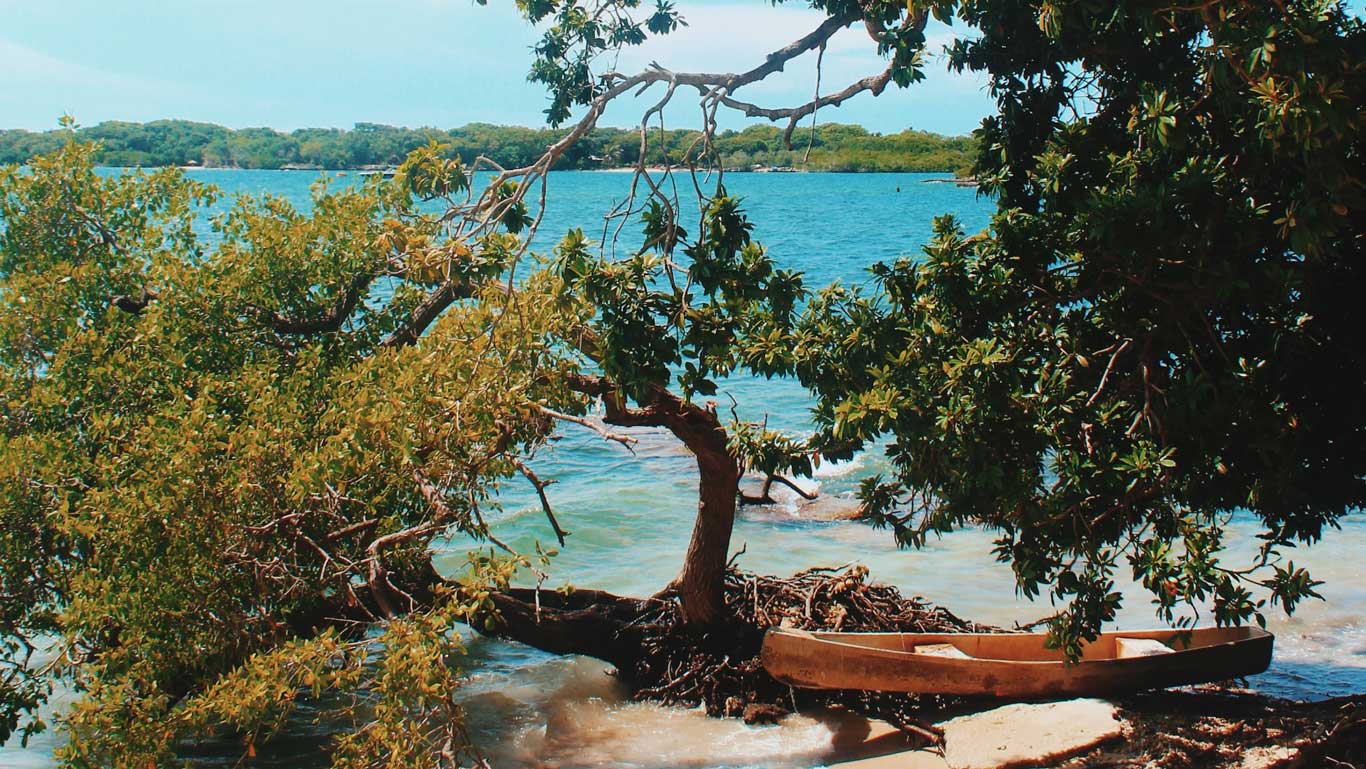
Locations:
(1010, 736)
(1028, 734)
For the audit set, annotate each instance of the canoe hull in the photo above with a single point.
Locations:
(1015, 666)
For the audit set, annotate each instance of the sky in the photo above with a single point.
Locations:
(333, 63)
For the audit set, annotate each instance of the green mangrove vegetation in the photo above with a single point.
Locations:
(834, 147)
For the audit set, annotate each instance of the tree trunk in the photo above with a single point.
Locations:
(700, 583)
(591, 622)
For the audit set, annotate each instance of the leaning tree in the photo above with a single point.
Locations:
(226, 460)
(228, 457)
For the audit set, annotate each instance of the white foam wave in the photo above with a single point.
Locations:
(585, 721)
(830, 469)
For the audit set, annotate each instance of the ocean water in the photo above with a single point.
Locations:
(630, 515)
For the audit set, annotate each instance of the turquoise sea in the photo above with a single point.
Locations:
(630, 517)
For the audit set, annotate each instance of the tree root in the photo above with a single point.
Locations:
(663, 659)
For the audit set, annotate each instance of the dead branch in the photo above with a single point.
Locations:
(480, 214)
(811, 140)
(607, 435)
(874, 84)
(540, 485)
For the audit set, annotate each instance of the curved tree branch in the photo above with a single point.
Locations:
(874, 84)
(427, 312)
(607, 435)
(331, 320)
(701, 581)
(807, 495)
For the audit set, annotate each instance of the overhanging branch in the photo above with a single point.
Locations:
(331, 320)
(606, 434)
(874, 84)
(427, 312)
(540, 486)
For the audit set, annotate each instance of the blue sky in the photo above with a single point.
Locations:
(296, 63)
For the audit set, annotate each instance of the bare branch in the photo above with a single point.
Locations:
(540, 485)
(482, 213)
(346, 531)
(811, 140)
(874, 84)
(775, 61)
(807, 495)
(1108, 368)
(385, 593)
(624, 440)
(765, 496)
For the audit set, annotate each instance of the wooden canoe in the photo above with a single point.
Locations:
(1014, 665)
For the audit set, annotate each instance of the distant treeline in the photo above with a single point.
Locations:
(183, 143)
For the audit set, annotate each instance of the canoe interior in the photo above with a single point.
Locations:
(1014, 665)
(1029, 647)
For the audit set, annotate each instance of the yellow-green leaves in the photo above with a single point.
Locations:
(428, 174)
(208, 454)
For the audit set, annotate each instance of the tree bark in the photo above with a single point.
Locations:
(591, 622)
(701, 582)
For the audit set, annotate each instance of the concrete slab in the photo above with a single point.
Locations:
(1028, 734)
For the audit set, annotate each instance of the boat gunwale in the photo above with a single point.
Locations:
(1252, 634)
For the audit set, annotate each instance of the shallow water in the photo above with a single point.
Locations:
(630, 516)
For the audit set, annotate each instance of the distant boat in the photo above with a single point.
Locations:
(385, 171)
(1013, 665)
(957, 181)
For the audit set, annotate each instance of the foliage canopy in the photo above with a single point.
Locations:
(226, 458)
(219, 462)
(1158, 328)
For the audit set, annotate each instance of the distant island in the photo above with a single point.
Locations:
(835, 147)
